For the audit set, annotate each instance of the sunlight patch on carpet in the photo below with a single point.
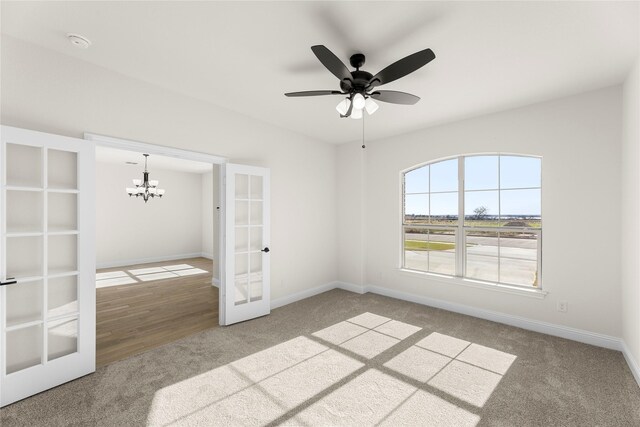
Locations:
(330, 378)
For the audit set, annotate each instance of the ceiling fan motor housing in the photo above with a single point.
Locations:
(360, 80)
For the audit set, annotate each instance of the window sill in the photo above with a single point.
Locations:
(497, 287)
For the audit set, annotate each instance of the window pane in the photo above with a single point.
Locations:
(519, 258)
(416, 257)
(444, 175)
(417, 180)
(482, 255)
(519, 172)
(416, 208)
(481, 173)
(482, 243)
(444, 208)
(518, 245)
(519, 272)
(518, 207)
(481, 208)
(442, 251)
(482, 268)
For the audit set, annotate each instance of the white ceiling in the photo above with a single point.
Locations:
(121, 157)
(490, 56)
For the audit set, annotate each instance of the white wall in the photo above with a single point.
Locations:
(208, 209)
(129, 231)
(351, 223)
(211, 217)
(631, 215)
(49, 92)
(579, 140)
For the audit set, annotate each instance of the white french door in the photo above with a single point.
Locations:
(245, 289)
(47, 261)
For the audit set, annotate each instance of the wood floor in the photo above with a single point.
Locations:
(160, 303)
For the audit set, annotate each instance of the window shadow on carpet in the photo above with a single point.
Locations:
(366, 370)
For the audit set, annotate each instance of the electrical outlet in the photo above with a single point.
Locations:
(563, 306)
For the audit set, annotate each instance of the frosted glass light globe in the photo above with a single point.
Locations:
(356, 114)
(343, 106)
(358, 101)
(371, 106)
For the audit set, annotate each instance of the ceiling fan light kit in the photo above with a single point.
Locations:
(359, 86)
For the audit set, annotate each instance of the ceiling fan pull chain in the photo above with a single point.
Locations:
(363, 146)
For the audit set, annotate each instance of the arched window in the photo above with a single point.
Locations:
(497, 240)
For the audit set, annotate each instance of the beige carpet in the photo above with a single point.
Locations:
(346, 359)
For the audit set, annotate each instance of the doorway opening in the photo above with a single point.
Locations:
(157, 261)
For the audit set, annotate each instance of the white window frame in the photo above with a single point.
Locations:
(461, 231)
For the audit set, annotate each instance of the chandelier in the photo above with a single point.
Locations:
(145, 188)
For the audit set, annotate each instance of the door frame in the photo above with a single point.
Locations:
(179, 153)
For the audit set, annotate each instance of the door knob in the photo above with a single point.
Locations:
(9, 281)
(265, 250)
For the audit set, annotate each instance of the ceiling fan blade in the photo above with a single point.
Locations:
(314, 93)
(332, 63)
(401, 68)
(395, 97)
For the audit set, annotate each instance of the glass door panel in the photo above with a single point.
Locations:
(62, 338)
(62, 298)
(242, 186)
(24, 211)
(255, 283)
(24, 348)
(242, 212)
(256, 187)
(256, 213)
(256, 240)
(23, 166)
(63, 254)
(62, 214)
(26, 306)
(62, 167)
(241, 278)
(24, 256)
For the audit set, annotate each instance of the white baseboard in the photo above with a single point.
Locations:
(567, 332)
(631, 361)
(358, 289)
(307, 293)
(215, 282)
(561, 331)
(289, 299)
(126, 262)
(206, 255)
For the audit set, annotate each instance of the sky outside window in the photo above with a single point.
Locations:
(481, 173)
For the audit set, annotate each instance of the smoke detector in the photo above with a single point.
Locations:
(79, 41)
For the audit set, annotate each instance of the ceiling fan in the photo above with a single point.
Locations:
(359, 86)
